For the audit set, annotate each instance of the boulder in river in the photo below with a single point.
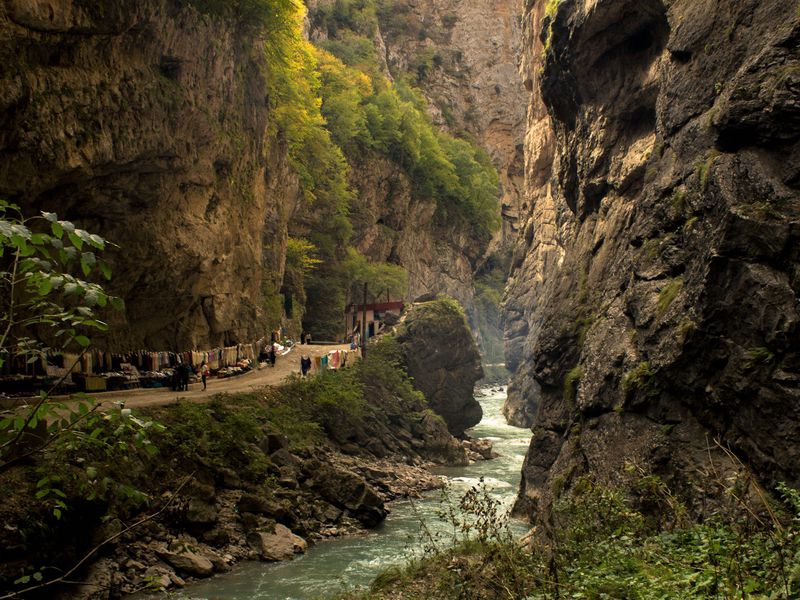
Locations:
(442, 357)
(281, 544)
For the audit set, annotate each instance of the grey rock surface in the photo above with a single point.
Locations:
(653, 305)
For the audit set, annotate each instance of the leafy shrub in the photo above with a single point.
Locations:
(222, 433)
(601, 547)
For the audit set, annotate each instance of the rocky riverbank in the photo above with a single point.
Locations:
(151, 499)
(211, 526)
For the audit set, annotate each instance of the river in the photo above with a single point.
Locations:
(332, 567)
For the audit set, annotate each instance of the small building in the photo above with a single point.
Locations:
(376, 313)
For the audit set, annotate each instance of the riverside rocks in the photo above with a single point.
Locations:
(280, 544)
(338, 494)
(188, 563)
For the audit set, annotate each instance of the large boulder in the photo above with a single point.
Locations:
(348, 490)
(189, 563)
(281, 544)
(442, 358)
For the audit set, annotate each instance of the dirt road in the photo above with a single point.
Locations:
(284, 366)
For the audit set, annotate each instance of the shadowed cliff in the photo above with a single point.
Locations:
(653, 307)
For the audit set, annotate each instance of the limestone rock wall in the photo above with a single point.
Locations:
(653, 306)
(465, 54)
(147, 122)
(442, 359)
(391, 225)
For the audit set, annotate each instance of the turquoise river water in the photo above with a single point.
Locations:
(332, 567)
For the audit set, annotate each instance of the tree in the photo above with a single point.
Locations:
(382, 277)
(39, 287)
(47, 306)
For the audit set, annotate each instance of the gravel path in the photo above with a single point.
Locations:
(258, 378)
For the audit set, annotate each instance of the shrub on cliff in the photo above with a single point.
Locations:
(365, 112)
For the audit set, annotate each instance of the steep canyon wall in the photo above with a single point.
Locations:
(464, 58)
(150, 123)
(653, 306)
(147, 122)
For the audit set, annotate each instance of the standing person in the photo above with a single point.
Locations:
(303, 337)
(204, 373)
(305, 365)
(185, 371)
(272, 356)
(308, 338)
(176, 378)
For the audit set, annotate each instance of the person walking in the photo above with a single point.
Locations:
(176, 378)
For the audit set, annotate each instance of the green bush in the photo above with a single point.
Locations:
(601, 547)
(222, 433)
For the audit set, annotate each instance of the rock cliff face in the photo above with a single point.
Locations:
(654, 301)
(442, 359)
(464, 55)
(147, 122)
(391, 225)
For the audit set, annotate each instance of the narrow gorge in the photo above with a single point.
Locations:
(276, 274)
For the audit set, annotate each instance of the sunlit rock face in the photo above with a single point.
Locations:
(464, 58)
(653, 306)
(464, 55)
(148, 123)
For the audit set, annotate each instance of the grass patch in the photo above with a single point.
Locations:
(668, 294)
(571, 381)
(758, 357)
(636, 379)
(703, 168)
(678, 202)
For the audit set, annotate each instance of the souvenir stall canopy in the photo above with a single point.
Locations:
(98, 370)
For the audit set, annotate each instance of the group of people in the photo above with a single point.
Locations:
(183, 372)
